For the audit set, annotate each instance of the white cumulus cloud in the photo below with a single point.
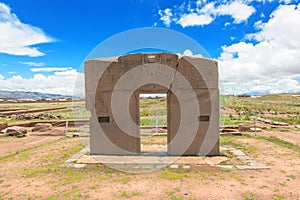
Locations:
(68, 82)
(188, 52)
(203, 13)
(194, 19)
(50, 69)
(239, 11)
(165, 16)
(33, 64)
(269, 60)
(17, 38)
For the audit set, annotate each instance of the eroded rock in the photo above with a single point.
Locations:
(3, 125)
(16, 131)
(42, 127)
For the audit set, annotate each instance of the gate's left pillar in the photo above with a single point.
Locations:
(106, 136)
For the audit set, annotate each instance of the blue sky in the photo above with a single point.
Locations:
(257, 42)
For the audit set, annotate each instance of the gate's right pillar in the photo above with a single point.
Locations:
(188, 133)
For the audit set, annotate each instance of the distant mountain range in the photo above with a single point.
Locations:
(30, 95)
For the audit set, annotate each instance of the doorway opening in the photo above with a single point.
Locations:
(153, 124)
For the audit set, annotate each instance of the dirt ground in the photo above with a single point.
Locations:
(291, 136)
(30, 169)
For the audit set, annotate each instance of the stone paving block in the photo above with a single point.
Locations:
(226, 146)
(79, 166)
(251, 167)
(251, 161)
(226, 167)
(259, 165)
(88, 159)
(231, 149)
(174, 166)
(238, 153)
(243, 158)
(67, 164)
(243, 167)
(222, 149)
(76, 156)
(186, 167)
(160, 166)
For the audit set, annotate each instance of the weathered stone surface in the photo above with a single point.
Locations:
(236, 133)
(267, 121)
(280, 123)
(226, 167)
(186, 167)
(243, 158)
(251, 167)
(238, 152)
(174, 166)
(79, 166)
(42, 127)
(227, 130)
(16, 131)
(3, 125)
(27, 116)
(255, 129)
(244, 128)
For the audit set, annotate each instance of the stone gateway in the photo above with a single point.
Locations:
(112, 91)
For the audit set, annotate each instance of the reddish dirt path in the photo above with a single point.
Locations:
(292, 137)
(10, 145)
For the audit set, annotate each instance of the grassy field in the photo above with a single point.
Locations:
(74, 110)
(282, 108)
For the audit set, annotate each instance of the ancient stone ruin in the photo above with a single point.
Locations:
(113, 86)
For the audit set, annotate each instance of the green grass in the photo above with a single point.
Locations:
(152, 122)
(227, 120)
(279, 198)
(249, 196)
(148, 107)
(170, 193)
(51, 198)
(177, 174)
(291, 177)
(176, 198)
(125, 179)
(173, 175)
(135, 193)
(124, 194)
